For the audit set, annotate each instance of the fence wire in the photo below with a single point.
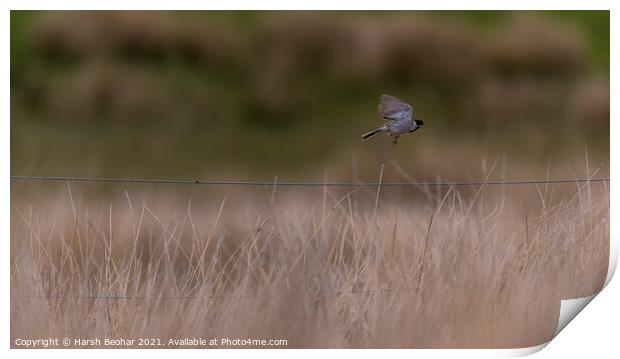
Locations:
(211, 297)
(306, 183)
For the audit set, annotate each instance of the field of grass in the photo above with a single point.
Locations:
(482, 266)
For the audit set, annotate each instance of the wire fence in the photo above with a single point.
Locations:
(307, 183)
(212, 297)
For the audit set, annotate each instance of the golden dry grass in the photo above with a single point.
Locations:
(417, 268)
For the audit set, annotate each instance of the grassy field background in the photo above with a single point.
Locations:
(481, 267)
(258, 94)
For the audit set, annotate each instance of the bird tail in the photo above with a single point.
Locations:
(372, 133)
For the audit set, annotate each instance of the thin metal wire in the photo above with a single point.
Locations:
(115, 297)
(358, 291)
(306, 184)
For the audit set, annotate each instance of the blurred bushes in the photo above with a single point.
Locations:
(529, 46)
(130, 36)
(291, 75)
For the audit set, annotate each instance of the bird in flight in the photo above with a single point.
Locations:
(399, 116)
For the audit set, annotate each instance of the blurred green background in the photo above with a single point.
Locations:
(251, 94)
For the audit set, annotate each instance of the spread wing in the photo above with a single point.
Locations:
(392, 108)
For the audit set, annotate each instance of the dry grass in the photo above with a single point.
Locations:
(467, 267)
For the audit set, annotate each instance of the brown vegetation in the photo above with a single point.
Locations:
(479, 267)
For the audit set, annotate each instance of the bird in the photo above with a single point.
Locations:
(399, 116)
